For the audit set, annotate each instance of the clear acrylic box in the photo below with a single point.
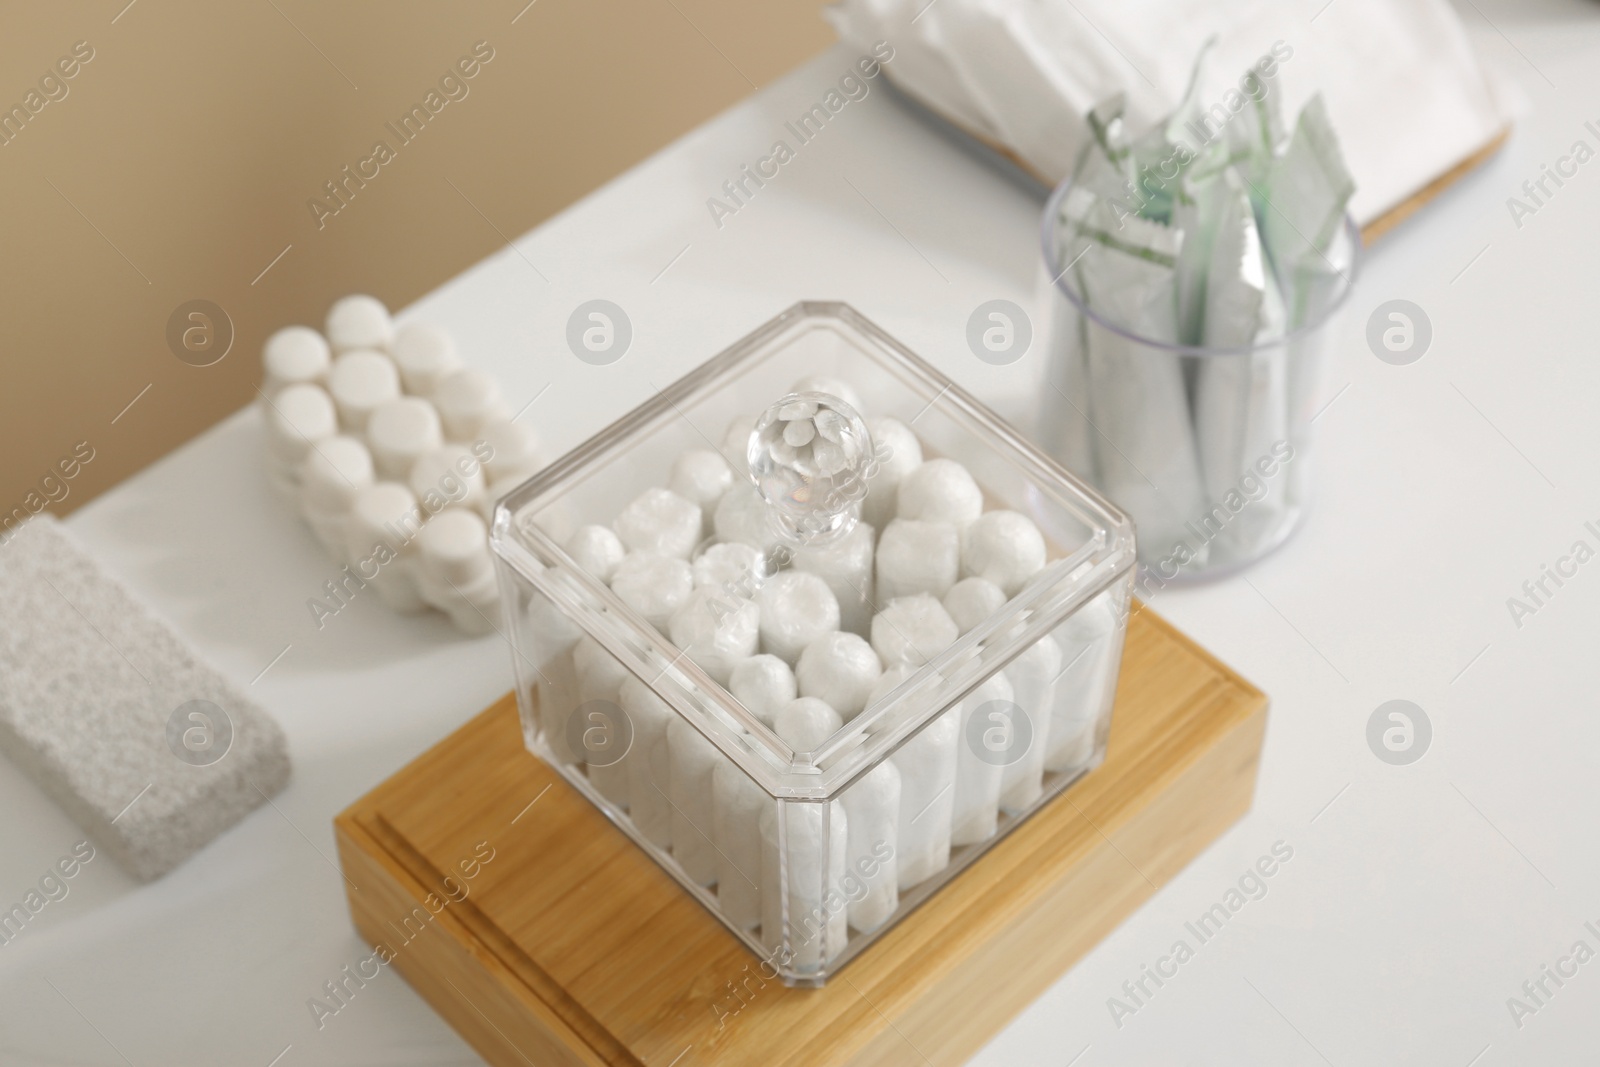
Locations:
(808, 849)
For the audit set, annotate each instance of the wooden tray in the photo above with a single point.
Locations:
(570, 946)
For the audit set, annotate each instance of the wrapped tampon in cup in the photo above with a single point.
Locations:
(1194, 289)
(808, 745)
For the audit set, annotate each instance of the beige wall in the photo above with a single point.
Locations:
(180, 160)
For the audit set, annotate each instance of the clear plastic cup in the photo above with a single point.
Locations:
(1209, 450)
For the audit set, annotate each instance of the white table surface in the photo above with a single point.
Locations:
(1418, 898)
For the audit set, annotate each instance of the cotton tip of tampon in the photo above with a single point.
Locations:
(940, 490)
(796, 609)
(839, 668)
(912, 630)
(359, 322)
(971, 600)
(383, 513)
(295, 354)
(454, 544)
(728, 566)
(654, 586)
(450, 474)
(659, 521)
(716, 631)
(468, 400)
(830, 386)
(400, 431)
(917, 556)
(896, 449)
(743, 516)
(424, 354)
(361, 380)
(597, 550)
(1004, 547)
(806, 723)
(889, 681)
(297, 416)
(701, 476)
(333, 473)
(512, 448)
(764, 684)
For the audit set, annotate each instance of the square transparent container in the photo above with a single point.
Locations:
(808, 856)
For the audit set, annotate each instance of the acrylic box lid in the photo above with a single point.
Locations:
(1090, 542)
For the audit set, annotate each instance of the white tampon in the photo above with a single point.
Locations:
(765, 684)
(455, 572)
(1004, 547)
(971, 600)
(449, 474)
(917, 556)
(654, 586)
(600, 678)
(927, 766)
(400, 431)
(737, 805)
(294, 355)
(380, 525)
(359, 382)
(728, 567)
(693, 757)
(358, 321)
(649, 762)
(295, 419)
(512, 451)
(809, 920)
(846, 565)
(912, 630)
(896, 453)
(597, 550)
(1088, 667)
(841, 669)
(1033, 675)
(661, 522)
(551, 637)
(424, 354)
(742, 515)
(701, 476)
(468, 400)
(941, 490)
(716, 631)
(807, 722)
(334, 472)
(796, 609)
(831, 386)
(872, 817)
(977, 791)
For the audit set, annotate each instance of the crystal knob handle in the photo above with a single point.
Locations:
(810, 455)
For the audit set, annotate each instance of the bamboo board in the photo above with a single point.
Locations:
(571, 947)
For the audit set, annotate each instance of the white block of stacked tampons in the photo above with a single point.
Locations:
(917, 556)
(716, 631)
(1004, 547)
(1089, 658)
(294, 355)
(469, 400)
(659, 521)
(654, 586)
(455, 571)
(597, 550)
(701, 476)
(449, 474)
(1033, 676)
(940, 490)
(649, 761)
(841, 669)
(872, 817)
(424, 354)
(692, 758)
(600, 677)
(93, 692)
(360, 382)
(358, 321)
(380, 527)
(796, 609)
(400, 432)
(765, 685)
(846, 565)
(972, 600)
(816, 841)
(977, 794)
(912, 630)
(927, 764)
(737, 806)
(295, 419)
(896, 453)
(333, 475)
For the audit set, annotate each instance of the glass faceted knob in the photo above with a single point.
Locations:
(810, 455)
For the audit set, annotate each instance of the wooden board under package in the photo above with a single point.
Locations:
(556, 941)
